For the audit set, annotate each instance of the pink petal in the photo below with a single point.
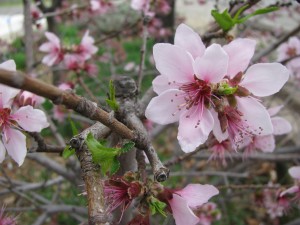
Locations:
(240, 52)
(161, 84)
(274, 110)
(264, 79)
(173, 62)
(189, 40)
(15, 144)
(295, 42)
(182, 213)
(46, 47)
(53, 39)
(295, 172)
(291, 190)
(212, 66)
(281, 126)
(163, 109)
(256, 115)
(2, 152)
(265, 143)
(50, 59)
(30, 119)
(191, 136)
(6, 95)
(197, 194)
(219, 135)
(9, 65)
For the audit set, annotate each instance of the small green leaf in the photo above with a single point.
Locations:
(68, 151)
(115, 166)
(127, 147)
(157, 206)
(258, 12)
(224, 19)
(74, 128)
(111, 101)
(102, 155)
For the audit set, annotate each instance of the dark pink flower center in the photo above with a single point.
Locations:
(198, 92)
(291, 52)
(4, 116)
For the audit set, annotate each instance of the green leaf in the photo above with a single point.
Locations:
(111, 101)
(74, 128)
(127, 147)
(157, 206)
(259, 12)
(115, 166)
(68, 151)
(102, 155)
(224, 19)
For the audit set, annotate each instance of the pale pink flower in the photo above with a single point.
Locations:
(295, 174)
(289, 50)
(208, 213)
(86, 48)
(101, 6)
(130, 66)
(77, 64)
(28, 98)
(138, 5)
(267, 143)
(25, 118)
(184, 86)
(53, 48)
(184, 201)
(162, 6)
(219, 150)
(249, 118)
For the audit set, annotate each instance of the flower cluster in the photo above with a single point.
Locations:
(185, 204)
(12, 121)
(294, 190)
(6, 220)
(211, 89)
(75, 58)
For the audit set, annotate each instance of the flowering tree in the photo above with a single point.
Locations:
(110, 85)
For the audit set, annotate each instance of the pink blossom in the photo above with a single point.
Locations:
(86, 48)
(138, 5)
(249, 117)
(162, 6)
(295, 174)
(100, 6)
(78, 64)
(289, 50)
(184, 88)
(6, 220)
(53, 48)
(219, 150)
(208, 213)
(25, 118)
(184, 201)
(28, 98)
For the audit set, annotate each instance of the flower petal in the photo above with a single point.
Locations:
(53, 39)
(219, 135)
(50, 59)
(6, 95)
(163, 109)
(264, 79)
(189, 40)
(161, 84)
(173, 62)
(265, 143)
(256, 116)
(197, 194)
(212, 66)
(194, 128)
(2, 152)
(281, 125)
(30, 119)
(295, 172)
(240, 52)
(291, 190)
(182, 213)
(274, 110)
(9, 65)
(15, 144)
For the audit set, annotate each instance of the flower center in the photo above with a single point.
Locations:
(291, 52)
(4, 116)
(198, 92)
